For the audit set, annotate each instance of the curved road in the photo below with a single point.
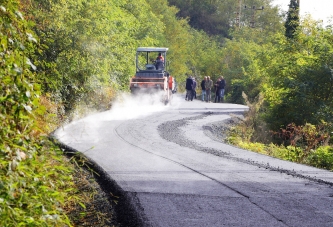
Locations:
(174, 174)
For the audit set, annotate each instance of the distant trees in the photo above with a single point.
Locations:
(207, 15)
(217, 17)
(292, 21)
(88, 48)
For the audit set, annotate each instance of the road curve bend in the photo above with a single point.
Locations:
(172, 173)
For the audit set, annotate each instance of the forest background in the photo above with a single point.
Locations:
(65, 58)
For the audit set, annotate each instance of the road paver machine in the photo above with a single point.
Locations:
(151, 73)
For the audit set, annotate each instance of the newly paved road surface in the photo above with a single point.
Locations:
(178, 176)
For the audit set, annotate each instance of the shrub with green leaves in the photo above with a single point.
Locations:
(34, 186)
(321, 158)
(32, 178)
(308, 144)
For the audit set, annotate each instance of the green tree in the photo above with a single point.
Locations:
(207, 15)
(292, 21)
(175, 34)
(218, 17)
(300, 89)
(89, 46)
(242, 69)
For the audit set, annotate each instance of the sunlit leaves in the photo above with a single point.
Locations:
(93, 39)
(20, 195)
(303, 76)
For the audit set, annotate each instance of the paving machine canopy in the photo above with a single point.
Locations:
(147, 59)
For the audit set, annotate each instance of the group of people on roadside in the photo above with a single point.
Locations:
(206, 87)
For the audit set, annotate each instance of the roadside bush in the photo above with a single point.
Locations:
(35, 186)
(276, 151)
(307, 137)
(47, 116)
(321, 158)
(251, 129)
(293, 154)
(35, 180)
(307, 144)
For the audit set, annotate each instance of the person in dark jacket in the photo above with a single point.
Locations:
(217, 90)
(203, 94)
(208, 87)
(194, 93)
(189, 87)
(222, 87)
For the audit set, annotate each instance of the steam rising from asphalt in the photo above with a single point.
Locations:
(130, 107)
(125, 107)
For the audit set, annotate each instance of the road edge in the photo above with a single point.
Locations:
(129, 213)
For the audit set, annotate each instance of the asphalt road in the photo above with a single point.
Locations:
(174, 174)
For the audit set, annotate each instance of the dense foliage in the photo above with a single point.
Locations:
(89, 47)
(291, 80)
(302, 80)
(33, 179)
(217, 17)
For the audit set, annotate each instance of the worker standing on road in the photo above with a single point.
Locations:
(217, 90)
(194, 93)
(189, 87)
(208, 88)
(203, 94)
(222, 86)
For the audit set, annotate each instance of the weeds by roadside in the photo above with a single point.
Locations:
(91, 206)
(34, 186)
(46, 188)
(306, 144)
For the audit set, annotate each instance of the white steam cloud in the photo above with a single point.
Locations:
(131, 107)
(126, 107)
